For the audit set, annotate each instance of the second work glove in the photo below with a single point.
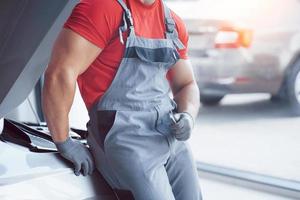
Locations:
(182, 126)
(78, 154)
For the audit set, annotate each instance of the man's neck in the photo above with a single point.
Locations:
(147, 2)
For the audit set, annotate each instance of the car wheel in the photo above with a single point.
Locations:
(210, 100)
(276, 98)
(293, 89)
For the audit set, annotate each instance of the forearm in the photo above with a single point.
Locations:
(58, 94)
(187, 99)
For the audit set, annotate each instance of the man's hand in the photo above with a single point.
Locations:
(78, 154)
(183, 127)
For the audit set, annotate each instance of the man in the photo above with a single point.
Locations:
(121, 53)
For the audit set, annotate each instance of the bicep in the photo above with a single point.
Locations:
(72, 52)
(181, 75)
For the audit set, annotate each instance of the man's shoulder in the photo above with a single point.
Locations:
(178, 20)
(100, 2)
(109, 6)
(181, 29)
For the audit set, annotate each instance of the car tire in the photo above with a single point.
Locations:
(293, 88)
(276, 98)
(210, 100)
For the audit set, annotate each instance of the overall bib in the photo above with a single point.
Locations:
(129, 132)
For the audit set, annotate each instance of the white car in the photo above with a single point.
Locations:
(30, 167)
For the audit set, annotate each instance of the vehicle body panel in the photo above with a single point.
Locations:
(28, 29)
(29, 175)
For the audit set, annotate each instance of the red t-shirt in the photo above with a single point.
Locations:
(98, 21)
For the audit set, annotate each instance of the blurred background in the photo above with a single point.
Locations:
(246, 60)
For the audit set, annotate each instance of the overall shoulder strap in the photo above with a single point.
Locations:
(127, 21)
(127, 12)
(171, 32)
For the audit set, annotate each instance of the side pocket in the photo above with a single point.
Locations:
(163, 122)
(105, 121)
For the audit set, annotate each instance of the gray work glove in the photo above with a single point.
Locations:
(182, 126)
(78, 154)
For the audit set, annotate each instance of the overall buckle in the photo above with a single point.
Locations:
(170, 25)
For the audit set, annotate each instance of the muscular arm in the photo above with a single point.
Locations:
(184, 88)
(71, 56)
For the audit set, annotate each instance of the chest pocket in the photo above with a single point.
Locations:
(165, 56)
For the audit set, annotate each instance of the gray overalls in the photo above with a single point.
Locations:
(129, 132)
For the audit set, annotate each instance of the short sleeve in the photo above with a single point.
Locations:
(183, 37)
(182, 34)
(95, 20)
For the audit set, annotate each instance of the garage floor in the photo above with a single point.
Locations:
(215, 190)
(250, 133)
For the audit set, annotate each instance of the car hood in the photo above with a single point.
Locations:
(27, 32)
(44, 176)
(28, 29)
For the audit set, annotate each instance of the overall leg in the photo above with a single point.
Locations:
(101, 162)
(182, 173)
(133, 157)
(140, 169)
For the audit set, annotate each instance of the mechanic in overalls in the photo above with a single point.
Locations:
(126, 55)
